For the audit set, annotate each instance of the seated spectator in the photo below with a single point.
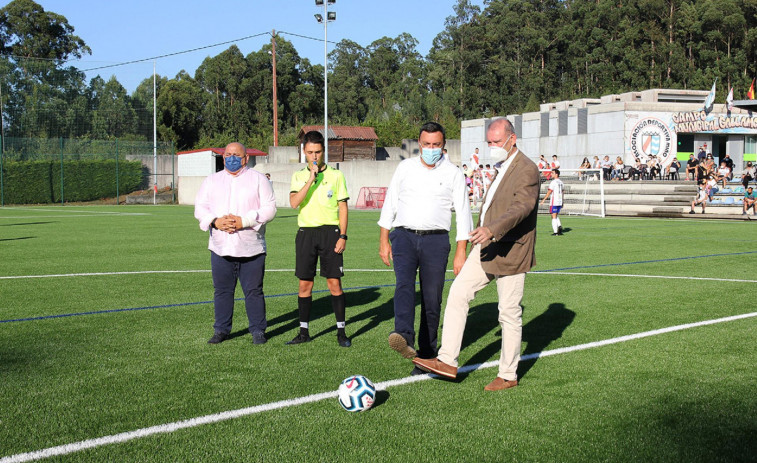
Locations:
(654, 168)
(606, 167)
(617, 171)
(597, 164)
(638, 170)
(711, 186)
(749, 201)
(723, 173)
(700, 199)
(673, 169)
(748, 175)
(585, 164)
(691, 167)
(729, 164)
(708, 165)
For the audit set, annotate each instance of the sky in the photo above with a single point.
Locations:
(119, 31)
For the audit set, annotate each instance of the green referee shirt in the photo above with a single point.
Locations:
(320, 206)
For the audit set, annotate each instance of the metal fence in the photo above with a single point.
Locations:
(158, 165)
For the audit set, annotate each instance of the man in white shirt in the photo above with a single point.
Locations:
(418, 207)
(555, 190)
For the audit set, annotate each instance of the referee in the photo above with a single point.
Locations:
(320, 192)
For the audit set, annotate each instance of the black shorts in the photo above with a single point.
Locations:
(312, 243)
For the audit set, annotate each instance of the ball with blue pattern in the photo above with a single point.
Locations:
(356, 393)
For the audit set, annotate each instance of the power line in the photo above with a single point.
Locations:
(177, 53)
(306, 37)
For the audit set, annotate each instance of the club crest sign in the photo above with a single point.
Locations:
(651, 137)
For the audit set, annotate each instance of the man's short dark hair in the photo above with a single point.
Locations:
(557, 171)
(433, 127)
(314, 137)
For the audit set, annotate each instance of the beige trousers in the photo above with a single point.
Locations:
(468, 282)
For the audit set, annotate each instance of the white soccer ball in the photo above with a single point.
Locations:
(357, 393)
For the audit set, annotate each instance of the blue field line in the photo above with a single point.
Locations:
(168, 306)
(644, 261)
(183, 304)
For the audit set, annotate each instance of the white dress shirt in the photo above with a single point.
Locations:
(422, 198)
(503, 166)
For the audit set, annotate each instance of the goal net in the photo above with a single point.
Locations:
(370, 197)
(583, 193)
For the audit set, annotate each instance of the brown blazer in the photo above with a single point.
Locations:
(511, 217)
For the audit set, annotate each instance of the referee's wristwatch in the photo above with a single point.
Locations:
(213, 223)
(343, 237)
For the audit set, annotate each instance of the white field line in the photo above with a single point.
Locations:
(145, 272)
(80, 211)
(223, 416)
(666, 277)
(31, 217)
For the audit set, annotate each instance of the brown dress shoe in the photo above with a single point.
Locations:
(436, 366)
(399, 344)
(498, 384)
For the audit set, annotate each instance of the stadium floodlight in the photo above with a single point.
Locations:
(324, 19)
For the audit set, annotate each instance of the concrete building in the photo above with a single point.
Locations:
(661, 122)
(194, 166)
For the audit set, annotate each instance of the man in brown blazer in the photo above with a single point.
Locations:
(503, 250)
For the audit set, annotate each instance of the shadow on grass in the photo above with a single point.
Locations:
(19, 238)
(700, 427)
(381, 398)
(538, 334)
(21, 224)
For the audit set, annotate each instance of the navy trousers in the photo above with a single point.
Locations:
(426, 255)
(249, 271)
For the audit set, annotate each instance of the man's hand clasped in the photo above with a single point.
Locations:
(229, 223)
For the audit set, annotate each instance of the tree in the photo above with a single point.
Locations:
(41, 97)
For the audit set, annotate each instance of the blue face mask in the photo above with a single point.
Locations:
(232, 163)
(431, 155)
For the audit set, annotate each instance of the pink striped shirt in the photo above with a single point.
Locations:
(248, 195)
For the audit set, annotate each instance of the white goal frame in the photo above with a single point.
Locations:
(584, 192)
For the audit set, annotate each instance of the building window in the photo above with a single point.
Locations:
(750, 148)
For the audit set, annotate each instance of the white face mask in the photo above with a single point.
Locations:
(499, 152)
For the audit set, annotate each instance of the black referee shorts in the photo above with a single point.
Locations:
(312, 243)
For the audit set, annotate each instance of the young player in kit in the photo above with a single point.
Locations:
(700, 199)
(555, 190)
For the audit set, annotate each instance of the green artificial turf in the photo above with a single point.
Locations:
(688, 395)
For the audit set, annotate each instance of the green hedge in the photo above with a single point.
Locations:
(37, 182)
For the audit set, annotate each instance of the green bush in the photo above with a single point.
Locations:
(36, 182)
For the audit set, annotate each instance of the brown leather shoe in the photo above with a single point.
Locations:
(499, 384)
(399, 343)
(436, 366)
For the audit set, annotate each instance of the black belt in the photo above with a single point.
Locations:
(424, 232)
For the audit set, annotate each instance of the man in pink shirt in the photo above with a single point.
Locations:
(235, 204)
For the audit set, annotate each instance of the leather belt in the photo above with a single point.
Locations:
(424, 232)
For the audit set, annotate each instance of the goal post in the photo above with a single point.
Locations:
(370, 197)
(583, 194)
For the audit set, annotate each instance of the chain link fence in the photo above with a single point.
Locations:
(52, 170)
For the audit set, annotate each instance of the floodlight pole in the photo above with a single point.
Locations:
(325, 21)
(154, 136)
(275, 99)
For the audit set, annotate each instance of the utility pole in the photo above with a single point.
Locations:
(275, 99)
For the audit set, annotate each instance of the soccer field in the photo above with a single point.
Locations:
(638, 340)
